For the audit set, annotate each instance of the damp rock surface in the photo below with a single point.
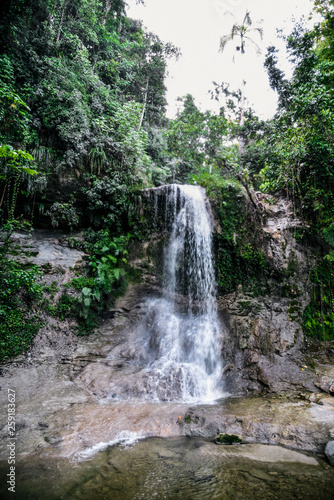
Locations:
(329, 452)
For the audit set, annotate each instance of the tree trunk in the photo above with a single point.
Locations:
(144, 107)
(322, 312)
(3, 194)
(242, 118)
(108, 7)
(61, 21)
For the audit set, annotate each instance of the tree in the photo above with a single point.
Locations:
(242, 32)
(87, 85)
(195, 139)
(15, 163)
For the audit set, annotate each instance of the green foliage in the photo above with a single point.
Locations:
(19, 291)
(81, 89)
(80, 283)
(238, 260)
(298, 147)
(65, 307)
(328, 234)
(228, 439)
(195, 141)
(317, 323)
(15, 163)
(14, 111)
(52, 290)
(106, 262)
(82, 102)
(108, 201)
(64, 215)
(19, 295)
(87, 296)
(294, 154)
(16, 160)
(16, 332)
(318, 319)
(105, 279)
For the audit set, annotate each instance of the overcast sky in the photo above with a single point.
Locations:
(195, 26)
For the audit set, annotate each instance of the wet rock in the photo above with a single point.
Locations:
(43, 425)
(166, 454)
(203, 478)
(260, 453)
(264, 353)
(260, 474)
(312, 398)
(260, 328)
(326, 384)
(329, 452)
(53, 439)
(253, 387)
(227, 368)
(252, 356)
(96, 378)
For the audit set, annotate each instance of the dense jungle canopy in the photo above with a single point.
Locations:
(83, 130)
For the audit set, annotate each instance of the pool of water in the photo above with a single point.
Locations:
(174, 469)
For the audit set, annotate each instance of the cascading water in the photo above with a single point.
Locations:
(182, 327)
(174, 353)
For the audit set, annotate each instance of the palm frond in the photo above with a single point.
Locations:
(223, 42)
(230, 13)
(257, 47)
(236, 28)
(247, 19)
(260, 32)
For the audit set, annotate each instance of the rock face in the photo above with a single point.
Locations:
(48, 250)
(329, 452)
(326, 384)
(264, 337)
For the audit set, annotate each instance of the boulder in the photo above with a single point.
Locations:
(326, 384)
(329, 452)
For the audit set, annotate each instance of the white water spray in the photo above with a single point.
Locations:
(182, 327)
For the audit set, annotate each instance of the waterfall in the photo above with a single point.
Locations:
(182, 327)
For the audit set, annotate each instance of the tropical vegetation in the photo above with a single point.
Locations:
(83, 130)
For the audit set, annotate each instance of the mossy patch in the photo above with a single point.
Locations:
(228, 439)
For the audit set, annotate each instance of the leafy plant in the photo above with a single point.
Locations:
(19, 291)
(318, 318)
(105, 279)
(64, 215)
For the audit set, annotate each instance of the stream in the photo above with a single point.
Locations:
(177, 469)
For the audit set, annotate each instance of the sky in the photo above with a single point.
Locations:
(195, 26)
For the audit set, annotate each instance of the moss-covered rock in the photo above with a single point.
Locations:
(228, 439)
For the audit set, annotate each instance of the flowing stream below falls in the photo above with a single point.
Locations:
(176, 469)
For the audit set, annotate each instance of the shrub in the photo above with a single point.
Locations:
(64, 215)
